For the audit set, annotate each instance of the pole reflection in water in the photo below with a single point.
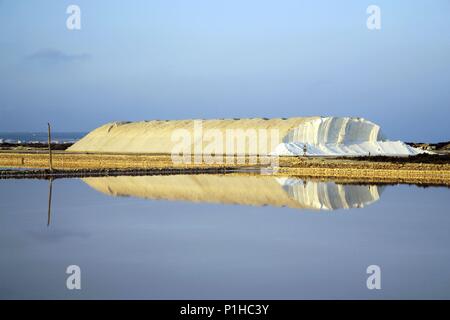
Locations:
(49, 212)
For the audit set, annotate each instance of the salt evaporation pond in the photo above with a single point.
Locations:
(195, 238)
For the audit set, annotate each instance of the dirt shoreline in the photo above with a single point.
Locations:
(426, 170)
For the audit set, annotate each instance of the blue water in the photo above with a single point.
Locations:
(128, 247)
(57, 137)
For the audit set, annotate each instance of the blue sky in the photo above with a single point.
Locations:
(166, 59)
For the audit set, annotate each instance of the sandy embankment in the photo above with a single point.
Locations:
(389, 171)
(70, 160)
(424, 169)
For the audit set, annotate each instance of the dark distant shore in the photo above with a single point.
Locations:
(33, 146)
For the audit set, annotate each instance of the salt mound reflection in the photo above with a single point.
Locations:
(240, 189)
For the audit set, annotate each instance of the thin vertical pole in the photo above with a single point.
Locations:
(50, 148)
(49, 213)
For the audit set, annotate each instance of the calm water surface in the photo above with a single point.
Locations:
(212, 238)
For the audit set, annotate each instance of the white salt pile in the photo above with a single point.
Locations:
(332, 136)
(312, 136)
(387, 148)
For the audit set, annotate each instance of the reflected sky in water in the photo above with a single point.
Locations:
(136, 246)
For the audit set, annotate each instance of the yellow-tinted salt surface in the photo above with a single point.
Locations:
(157, 136)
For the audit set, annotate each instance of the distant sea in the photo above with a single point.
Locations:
(29, 137)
